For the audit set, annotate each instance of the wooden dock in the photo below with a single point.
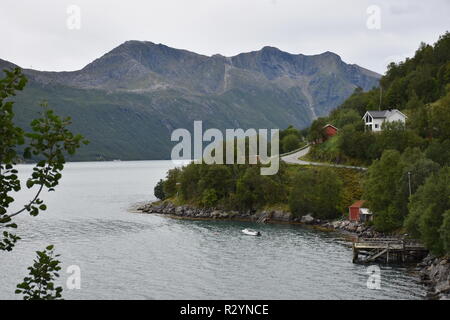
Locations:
(387, 250)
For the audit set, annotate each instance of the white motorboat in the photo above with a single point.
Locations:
(251, 232)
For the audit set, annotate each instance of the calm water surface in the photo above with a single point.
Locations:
(125, 255)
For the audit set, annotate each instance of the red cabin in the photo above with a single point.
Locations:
(354, 210)
(330, 130)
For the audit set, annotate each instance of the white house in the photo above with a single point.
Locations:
(374, 119)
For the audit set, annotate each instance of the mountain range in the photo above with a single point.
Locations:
(128, 101)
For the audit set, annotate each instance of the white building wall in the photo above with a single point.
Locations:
(396, 116)
(375, 124)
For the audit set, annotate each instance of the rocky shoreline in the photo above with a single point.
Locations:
(434, 272)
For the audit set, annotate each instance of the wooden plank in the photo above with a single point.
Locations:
(379, 254)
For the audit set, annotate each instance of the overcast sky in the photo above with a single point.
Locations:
(35, 33)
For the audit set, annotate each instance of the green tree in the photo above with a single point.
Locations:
(218, 177)
(416, 169)
(290, 143)
(346, 117)
(189, 182)
(356, 144)
(380, 190)
(428, 217)
(249, 194)
(290, 130)
(439, 117)
(316, 132)
(318, 192)
(209, 198)
(159, 190)
(445, 231)
(439, 152)
(170, 183)
(48, 142)
(40, 284)
(395, 136)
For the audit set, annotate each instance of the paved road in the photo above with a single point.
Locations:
(294, 159)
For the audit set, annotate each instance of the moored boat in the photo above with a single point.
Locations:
(251, 232)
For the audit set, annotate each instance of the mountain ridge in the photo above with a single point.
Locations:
(268, 88)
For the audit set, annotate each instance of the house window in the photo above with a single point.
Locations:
(376, 126)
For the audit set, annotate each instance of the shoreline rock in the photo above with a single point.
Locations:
(355, 228)
(435, 274)
(187, 211)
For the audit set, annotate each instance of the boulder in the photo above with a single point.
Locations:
(223, 215)
(308, 219)
(336, 224)
(281, 216)
(215, 214)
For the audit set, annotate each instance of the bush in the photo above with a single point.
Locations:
(159, 190)
(387, 185)
(439, 152)
(209, 198)
(429, 210)
(170, 184)
(445, 231)
(290, 143)
(318, 192)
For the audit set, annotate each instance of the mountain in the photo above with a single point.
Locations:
(128, 101)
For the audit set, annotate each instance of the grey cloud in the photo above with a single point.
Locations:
(34, 33)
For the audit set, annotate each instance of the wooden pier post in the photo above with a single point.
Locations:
(355, 253)
(403, 251)
(387, 254)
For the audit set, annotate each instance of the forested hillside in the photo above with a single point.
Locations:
(419, 88)
(408, 182)
(407, 185)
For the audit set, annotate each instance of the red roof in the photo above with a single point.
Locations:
(330, 126)
(358, 204)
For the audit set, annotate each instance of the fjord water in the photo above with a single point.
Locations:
(128, 255)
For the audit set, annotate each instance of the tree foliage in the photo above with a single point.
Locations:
(387, 185)
(290, 139)
(47, 143)
(40, 284)
(419, 87)
(429, 212)
(406, 182)
(316, 192)
(159, 190)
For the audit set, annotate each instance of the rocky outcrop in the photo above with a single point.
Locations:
(435, 273)
(355, 227)
(308, 219)
(187, 211)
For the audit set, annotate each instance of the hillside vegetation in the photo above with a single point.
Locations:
(407, 185)
(408, 182)
(324, 192)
